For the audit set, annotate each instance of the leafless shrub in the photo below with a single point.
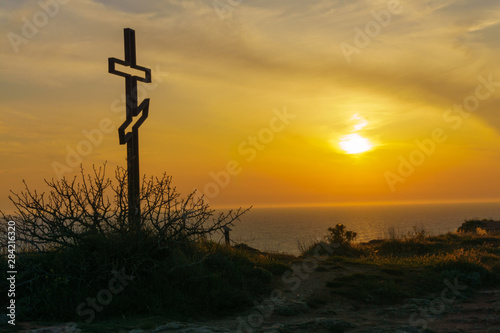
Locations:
(74, 210)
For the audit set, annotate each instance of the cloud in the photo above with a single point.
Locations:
(226, 75)
(134, 7)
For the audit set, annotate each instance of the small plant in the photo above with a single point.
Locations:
(339, 240)
(391, 233)
(481, 231)
(418, 233)
(339, 235)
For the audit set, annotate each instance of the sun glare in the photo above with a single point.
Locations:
(355, 144)
(361, 122)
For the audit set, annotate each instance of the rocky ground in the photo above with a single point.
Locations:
(302, 302)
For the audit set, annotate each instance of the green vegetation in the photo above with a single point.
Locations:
(416, 265)
(202, 278)
(79, 260)
(476, 226)
(339, 235)
(338, 238)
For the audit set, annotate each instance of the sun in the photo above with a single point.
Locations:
(355, 144)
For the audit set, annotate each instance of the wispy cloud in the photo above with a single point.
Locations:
(226, 75)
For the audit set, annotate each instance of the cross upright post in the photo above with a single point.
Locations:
(131, 138)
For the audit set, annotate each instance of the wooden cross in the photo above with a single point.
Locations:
(131, 138)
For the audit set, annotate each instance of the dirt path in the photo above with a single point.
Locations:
(303, 302)
(309, 306)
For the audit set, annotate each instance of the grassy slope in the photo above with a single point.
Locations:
(418, 266)
(380, 272)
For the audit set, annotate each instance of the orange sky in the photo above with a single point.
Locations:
(251, 100)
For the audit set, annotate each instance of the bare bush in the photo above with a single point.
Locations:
(73, 210)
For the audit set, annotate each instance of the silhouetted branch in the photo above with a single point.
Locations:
(72, 210)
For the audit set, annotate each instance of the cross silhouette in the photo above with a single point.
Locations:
(131, 138)
(131, 86)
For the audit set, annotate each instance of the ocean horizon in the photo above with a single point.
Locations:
(279, 229)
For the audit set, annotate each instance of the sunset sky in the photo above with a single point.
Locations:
(284, 102)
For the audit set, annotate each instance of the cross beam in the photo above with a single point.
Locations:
(131, 138)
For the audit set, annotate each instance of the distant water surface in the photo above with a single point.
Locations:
(278, 229)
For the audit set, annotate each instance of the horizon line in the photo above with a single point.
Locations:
(360, 203)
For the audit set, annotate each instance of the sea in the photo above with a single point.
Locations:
(281, 229)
